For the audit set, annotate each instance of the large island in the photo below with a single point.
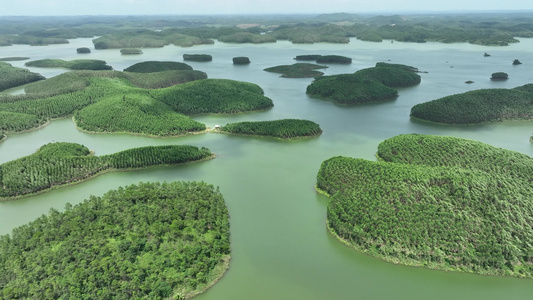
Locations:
(440, 202)
(151, 240)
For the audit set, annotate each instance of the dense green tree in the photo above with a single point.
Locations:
(440, 202)
(286, 128)
(58, 164)
(150, 241)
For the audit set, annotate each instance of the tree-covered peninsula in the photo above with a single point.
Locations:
(58, 164)
(374, 84)
(440, 202)
(99, 101)
(478, 106)
(149, 241)
(76, 64)
(285, 129)
(12, 76)
(297, 70)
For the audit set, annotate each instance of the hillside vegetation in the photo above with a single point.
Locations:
(285, 129)
(213, 96)
(12, 76)
(58, 164)
(374, 84)
(134, 113)
(151, 240)
(157, 111)
(440, 202)
(478, 106)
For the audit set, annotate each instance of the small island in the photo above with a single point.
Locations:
(197, 57)
(241, 60)
(76, 64)
(324, 59)
(284, 129)
(150, 241)
(440, 202)
(499, 76)
(59, 164)
(298, 70)
(13, 76)
(83, 50)
(516, 62)
(14, 58)
(374, 84)
(485, 105)
(131, 51)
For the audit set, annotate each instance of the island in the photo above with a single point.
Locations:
(241, 60)
(284, 129)
(324, 59)
(150, 240)
(197, 57)
(374, 84)
(105, 101)
(440, 202)
(157, 66)
(298, 70)
(76, 64)
(13, 76)
(59, 164)
(83, 50)
(484, 105)
(499, 76)
(131, 51)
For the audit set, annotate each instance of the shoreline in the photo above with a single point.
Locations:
(217, 274)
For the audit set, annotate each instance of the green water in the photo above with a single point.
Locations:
(280, 246)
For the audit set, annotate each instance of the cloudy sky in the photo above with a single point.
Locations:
(152, 7)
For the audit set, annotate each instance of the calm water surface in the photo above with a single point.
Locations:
(280, 246)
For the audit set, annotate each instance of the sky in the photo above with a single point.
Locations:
(209, 7)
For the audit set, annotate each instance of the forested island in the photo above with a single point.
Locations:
(374, 84)
(151, 240)
(58, 164)
(298, 70)
(157, 66)
(285, 129)
(440, 202)
(478, 106)
(12, 76)
(76, 64)
(155, 104)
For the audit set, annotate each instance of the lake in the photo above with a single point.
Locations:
(280, 246)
